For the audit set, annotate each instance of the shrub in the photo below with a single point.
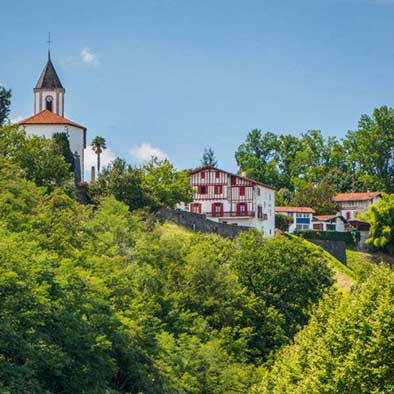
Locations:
(351, 238)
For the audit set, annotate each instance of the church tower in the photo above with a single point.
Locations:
(49, 91)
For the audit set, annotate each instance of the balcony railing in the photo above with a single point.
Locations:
(231, 214)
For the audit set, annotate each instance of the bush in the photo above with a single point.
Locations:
(283, 222)
(351, 238)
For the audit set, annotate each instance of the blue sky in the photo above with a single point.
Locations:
(174, 76)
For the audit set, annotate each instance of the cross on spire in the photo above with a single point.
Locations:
(49, 42)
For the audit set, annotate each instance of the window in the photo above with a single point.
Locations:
(217, 209)
(48, 103)
(203, 175)
(217, 174)
(302, 227)
(242, 190)
(331, 227)
(258, 191)
(218, 189)
(242, 209)
(260, 212)
(202, 189)
(195, 208)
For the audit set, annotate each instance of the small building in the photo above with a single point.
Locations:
(302, 217)
(329, 223)
(350, 204)
(233, 199)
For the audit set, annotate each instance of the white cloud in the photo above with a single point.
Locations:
(91, 160)
(144, 152)
(89, 57)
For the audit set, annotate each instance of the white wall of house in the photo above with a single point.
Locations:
(75, 135)
(350, 209)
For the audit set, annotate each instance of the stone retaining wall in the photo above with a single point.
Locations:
(335, 248)
(198, 222)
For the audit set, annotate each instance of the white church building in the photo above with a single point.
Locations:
(48, 117)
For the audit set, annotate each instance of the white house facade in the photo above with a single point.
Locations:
(232, 199)
(350, 204)
(49, 119)
(329, 223)
(301, 216)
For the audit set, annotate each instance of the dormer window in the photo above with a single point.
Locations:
(49, 103)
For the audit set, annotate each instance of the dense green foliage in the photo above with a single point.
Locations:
(62, 144)
(283, 222)
(5, 102)
(310, 168)
(155, 185)
(381, 217)
(100, 300)
(351, 238)
(38, 158)
(347, 346)
(208, 158)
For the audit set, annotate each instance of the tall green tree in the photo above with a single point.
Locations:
(5, 102)
(381, 218)
(62, 144)
(208, 158)
(259, 157)
(99, 145)
(370, 151)
(37, 157)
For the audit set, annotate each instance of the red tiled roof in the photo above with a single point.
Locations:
(364, 196)
(229, 173)
(322, 218)
(294, 209)
(49, 117)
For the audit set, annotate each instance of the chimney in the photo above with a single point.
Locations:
(243, 173)
(93, 174)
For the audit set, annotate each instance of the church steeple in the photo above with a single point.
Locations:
(49, 91)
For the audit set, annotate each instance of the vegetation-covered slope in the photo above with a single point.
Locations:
(346, 348)
(101, 300)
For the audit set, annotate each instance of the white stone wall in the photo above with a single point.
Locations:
(75, 135)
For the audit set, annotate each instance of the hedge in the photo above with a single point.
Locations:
(351, 238)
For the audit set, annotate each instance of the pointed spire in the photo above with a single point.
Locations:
(49, 46)
(49, 78)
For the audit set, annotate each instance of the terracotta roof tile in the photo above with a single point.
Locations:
(48, 117)
(364, 196)
(196, 170)
(294, 209)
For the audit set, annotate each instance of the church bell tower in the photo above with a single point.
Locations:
(49, 92)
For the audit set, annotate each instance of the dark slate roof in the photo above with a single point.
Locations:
(49, 78)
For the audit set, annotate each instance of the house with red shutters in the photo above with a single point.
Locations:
(233, 199)
(351, 204)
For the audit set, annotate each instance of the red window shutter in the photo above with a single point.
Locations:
(242, 190)
(217, 174)
(213, 210)
(203, 175)
(233, 180)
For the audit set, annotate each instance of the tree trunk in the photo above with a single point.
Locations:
(98, 163)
